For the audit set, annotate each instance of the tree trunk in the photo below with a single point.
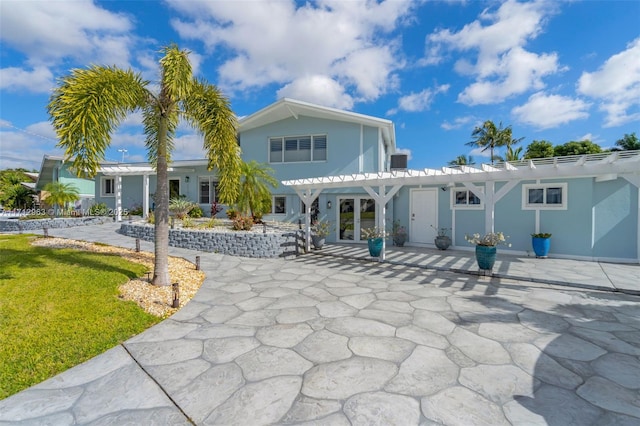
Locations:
(161, 268)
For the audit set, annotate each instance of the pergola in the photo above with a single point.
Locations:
(384, 185)
(117, 171)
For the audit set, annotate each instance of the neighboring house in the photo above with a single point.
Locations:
(55, 169)
(340, 164)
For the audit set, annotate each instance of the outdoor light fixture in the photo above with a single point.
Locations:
(186, 179)
(328, 205)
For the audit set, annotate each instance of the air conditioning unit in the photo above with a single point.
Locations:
(398, 161)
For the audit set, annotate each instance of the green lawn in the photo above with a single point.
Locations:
(58, 308)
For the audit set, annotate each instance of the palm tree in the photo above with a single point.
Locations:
(254, 195)
(488, 136)
(462, 160)
(511, 155)
(61, 194)
(90, 103)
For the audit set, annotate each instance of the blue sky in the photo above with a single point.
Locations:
(556, 71)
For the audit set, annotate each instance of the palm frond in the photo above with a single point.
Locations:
(209, 111)
(177, 75)
(87, 106)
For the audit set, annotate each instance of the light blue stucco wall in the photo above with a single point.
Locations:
(343, 147)
(601, 219)
(85, 186)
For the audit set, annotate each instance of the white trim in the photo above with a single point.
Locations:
(477, 191)
(273, 205)
(103, 193)
(361, 156)
(544, 205)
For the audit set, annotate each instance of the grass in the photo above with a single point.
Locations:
(59, 308)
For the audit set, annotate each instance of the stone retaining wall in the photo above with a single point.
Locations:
(13, 225)
(236, 243)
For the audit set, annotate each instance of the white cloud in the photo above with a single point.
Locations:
(547, 111)
(502, 67)
(318, 89)
(346, 42)
(458, 122)
(36, 139)
(416, 102)
(49, 31)
(616, 85)
(37, 80)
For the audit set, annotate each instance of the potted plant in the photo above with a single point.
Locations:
(486, 247)
(541, 243)
(375, 237)
(442, 240)
(399, 233)
(319, 231)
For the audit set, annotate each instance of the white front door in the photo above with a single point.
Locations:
(424, 214)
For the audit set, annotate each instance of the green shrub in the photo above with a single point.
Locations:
(99, 209)
(210, 224)
(188, 222)
(181, 207)
(242, 223)
(232, 213)
(196, 212)
(136, 210)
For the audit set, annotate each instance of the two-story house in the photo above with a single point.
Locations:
(341, 161)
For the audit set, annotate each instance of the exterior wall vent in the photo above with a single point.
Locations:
(398, 161)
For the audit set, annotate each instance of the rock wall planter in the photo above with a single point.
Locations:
(486, 256)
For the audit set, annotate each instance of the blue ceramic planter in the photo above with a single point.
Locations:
(486, 256)
(541, 246)
(375, 246)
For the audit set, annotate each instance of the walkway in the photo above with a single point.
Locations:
(325, 340)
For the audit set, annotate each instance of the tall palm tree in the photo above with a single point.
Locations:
(511, 154)
(462, 160)
(255, 182)
(488, 136)
(90, 103)
(61, 194)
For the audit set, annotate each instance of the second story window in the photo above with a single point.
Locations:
(296, 149)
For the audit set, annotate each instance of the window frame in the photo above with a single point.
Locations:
(545, 205)
(213, 186)
(273, 205)
(103, 186)
(466, 206)
(282, 141)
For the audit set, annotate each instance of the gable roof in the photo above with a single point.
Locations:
(291, 108)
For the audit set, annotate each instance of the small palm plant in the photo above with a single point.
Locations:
(61, 194)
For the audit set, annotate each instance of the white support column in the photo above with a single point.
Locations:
(382, 198)
(145, 196)
(308, 198)
(489, 207)
(118, 180)
(635, 180)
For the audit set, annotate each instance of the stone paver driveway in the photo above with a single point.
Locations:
(324, 341)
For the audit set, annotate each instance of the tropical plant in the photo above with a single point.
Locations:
(488, 136)
(89, 104)
(491, 239)
(511, 154)
(12, 193)
(196, 212)
(441, 232)
(321, 228)
(627, 143)
(99, 209)
(254, 194)
(539, 149)
(397, 230)
(541, 235)
(242, 223)
(187, 222)
(373, 232)
(181, 207)
(61, 194)
(462, 160)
